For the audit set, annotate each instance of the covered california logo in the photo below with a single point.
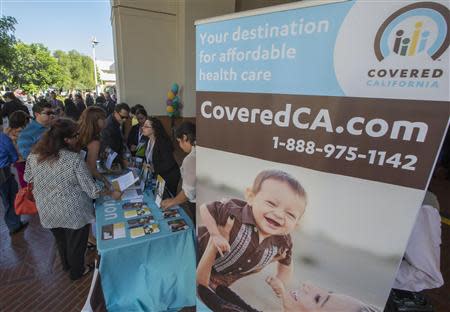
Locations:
(414, 30)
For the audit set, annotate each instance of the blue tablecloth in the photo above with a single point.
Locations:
(150, 273)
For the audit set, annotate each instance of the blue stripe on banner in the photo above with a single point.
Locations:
(291, 52)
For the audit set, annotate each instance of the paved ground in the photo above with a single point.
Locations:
(31, 276)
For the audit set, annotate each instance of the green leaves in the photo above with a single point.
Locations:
(77, 69)
(32, 67)
(7, 41)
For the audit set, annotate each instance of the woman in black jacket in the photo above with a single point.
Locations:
(159, 154)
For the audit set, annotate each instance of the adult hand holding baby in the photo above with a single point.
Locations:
(221, 239)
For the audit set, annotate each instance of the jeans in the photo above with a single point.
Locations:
(8, 191)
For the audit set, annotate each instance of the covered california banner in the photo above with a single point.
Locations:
(318, 129)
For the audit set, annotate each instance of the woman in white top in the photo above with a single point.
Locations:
(185, 135)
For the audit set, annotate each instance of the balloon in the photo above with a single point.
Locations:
(176, 99)
(175, 88)
(170, 95)
(171, 114)
(170, 109)
(169, 102)
(175, 105)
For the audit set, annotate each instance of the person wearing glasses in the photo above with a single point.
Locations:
(28, 137)
(136, 139)
(63, 189)
(111, 136)
(159, 155)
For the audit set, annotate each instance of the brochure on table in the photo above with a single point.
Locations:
(109, 212)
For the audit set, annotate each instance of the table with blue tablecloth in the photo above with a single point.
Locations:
(154, 272)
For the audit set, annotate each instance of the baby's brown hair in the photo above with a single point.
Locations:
(281, 176)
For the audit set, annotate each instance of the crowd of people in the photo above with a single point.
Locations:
(57, 149)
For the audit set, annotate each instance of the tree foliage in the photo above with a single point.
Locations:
(34, 68)
(78, 70)
(7, 41)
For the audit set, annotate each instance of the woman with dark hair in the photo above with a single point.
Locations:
(136, 140)
(91, 123)
(63, 189)
(185, 135)
(159, 154)
(17, 122)
(70, 108)
(8, 184)
(12, 104)
(79, 102)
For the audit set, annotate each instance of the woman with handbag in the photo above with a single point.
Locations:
(8, 184)
(63, 189)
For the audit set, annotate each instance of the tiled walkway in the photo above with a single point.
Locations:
(31, 277)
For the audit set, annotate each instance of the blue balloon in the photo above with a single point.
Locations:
(176, 99)
(175, 88)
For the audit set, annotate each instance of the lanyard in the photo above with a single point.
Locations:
(149, 150)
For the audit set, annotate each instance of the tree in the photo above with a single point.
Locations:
(7, 41)
(33, 68)
(77, 68)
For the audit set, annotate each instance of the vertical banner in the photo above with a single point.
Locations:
(318, 130)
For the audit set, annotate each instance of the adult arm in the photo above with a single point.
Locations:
(205, 264)
(11, 150)
(284, 272)
(220, 242)
(91, 161)
(27, 175)
(24, 143)
(177, 200)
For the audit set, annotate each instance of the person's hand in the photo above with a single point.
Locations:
(149, 167)
(167, 203)
(116, 195)
(221, 241)
(277, 285)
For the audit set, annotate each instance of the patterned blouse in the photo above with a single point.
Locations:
(63, 190)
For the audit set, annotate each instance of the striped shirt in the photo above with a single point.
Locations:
(246, 256)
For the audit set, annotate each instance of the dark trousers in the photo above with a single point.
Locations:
(172, 179)
(72, 247)
(223, 300)
(190, 210)
(8, 191)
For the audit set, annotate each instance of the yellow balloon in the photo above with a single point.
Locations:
(170, 95)
(170, 109)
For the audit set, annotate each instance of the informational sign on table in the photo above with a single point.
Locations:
(318, 130)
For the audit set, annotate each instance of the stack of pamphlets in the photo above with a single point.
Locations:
(113, 231)
(145, 229)
(177, 225)
(171, 213)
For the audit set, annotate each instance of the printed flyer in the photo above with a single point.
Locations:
(318, 129)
